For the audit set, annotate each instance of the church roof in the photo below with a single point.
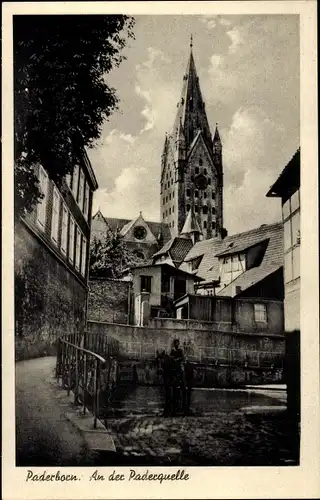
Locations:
(114, 224)
(191, 225)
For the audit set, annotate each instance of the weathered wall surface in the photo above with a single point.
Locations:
(200, 344)
(108, 300)
(292, 306)
(49, 299)
(237, 314)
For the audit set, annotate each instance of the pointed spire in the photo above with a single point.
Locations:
(216, 137)
(191, 110)
(191, 225)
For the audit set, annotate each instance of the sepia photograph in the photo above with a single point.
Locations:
(156, 235)
(157, 240)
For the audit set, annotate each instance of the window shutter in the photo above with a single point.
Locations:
(83, 256)
(42, 205)
(71, 239)
(55, 215)
(64, 229)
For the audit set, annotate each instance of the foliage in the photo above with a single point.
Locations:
(61, 94)
(108, 258)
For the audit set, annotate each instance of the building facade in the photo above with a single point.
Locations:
(191, 164)
(287, 187)
(51, 260)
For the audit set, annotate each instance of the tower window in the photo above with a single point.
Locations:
(163, 215)
(196, 194)
(213, 196)
(188, 208)
(171, 182)
(169, 196)
(166, 199)
(188, 192)
(170, 211)
(173, 223)
(204, 224)
(173, 209)
(213, 210)
(192, 178)
(166, 213)
(205, 209)
(213, 225)
(205, 171)
(197, 170)
(204, 194)
(196, 209)
(200, 162)
(209, 180)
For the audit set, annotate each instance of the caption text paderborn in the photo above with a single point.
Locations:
(131, 475)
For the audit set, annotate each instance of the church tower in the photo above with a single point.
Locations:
(191, 164)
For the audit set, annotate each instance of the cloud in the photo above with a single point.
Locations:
(236, 38)
(250, 145)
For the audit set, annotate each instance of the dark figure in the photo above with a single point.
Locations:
(177, 380)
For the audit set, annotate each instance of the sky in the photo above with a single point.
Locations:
(248, 68)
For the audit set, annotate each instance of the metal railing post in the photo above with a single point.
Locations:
(85, 381)
(76, 389)
(69, 369)
(95, 394)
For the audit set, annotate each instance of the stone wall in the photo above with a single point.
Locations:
(108, 300)
(200, 343)
(49, 299)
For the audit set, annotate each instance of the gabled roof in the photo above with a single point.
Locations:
(177, 248)
(173, 270)
(249, 278)
(211, 249)
(156, 228)
(289, 179)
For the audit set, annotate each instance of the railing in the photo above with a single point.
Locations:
(83, 372)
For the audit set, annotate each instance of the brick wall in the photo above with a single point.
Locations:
(49, 299)
(108, 300)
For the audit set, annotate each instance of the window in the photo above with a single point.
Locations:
(213, 195)
(86, 201)
(75, 181)
(55, 215)
(171, 182)
(205, 171)
(188, 192)
(196, 194)
(188, 208)
(213, 210)
(173, 223)
(170, 211)
(209, 181)
(200, 162)
(288, 271)
(78, 249)
(145, 282)
(295, 202)
(64, 229)
(42, 205)
(170, 196)
(205, 209)
(71, 239)
(235, 263)
(287, 235)
(296, 262)
(196, 170)
(204, 194)
(166, 213)
(196, 209)
(260, 313)
(204, 224)
(81, 190)
(213, 225)
(227, 264)
(173, 209)
(83, 256)
(163, 216)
